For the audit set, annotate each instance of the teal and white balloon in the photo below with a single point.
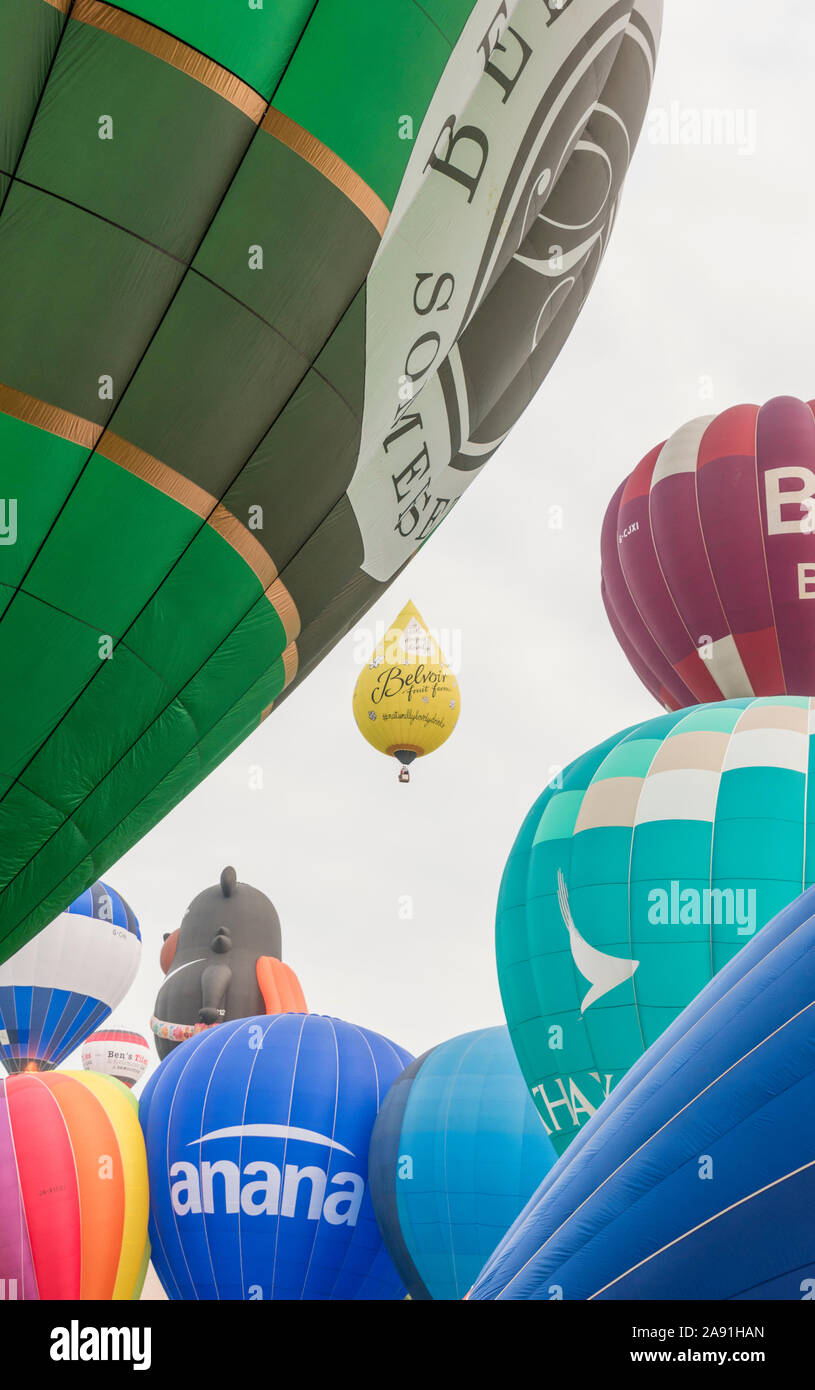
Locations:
(636, 876)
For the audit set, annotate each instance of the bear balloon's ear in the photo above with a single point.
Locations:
(229, 881)
(166, 936)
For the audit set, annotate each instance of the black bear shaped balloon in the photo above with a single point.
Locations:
(223, 962)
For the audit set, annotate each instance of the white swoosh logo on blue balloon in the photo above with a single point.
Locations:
(308, 1136)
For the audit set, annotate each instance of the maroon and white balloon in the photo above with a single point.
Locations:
(118, 1053)
(708, 557)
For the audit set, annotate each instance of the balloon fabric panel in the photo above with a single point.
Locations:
(93, 1145)
(51, 1211)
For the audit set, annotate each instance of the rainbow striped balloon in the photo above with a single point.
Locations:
(73, 1188)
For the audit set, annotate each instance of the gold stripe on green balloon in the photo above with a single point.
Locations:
(329, 164)
(48, 417)
(172, 51)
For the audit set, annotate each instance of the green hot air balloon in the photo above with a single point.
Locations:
(650, 863)
(275, 282)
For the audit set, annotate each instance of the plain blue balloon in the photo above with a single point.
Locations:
(457, 1150)
(695, 1180)
(257, 1135)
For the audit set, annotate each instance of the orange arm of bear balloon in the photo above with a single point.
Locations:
(280, 987)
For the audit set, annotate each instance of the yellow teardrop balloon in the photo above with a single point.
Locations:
(406, 700)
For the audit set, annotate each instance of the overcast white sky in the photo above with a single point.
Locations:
(709, 273)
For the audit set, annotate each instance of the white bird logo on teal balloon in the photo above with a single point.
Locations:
(603, 972)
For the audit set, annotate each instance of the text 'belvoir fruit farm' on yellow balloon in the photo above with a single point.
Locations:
(406, 700)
